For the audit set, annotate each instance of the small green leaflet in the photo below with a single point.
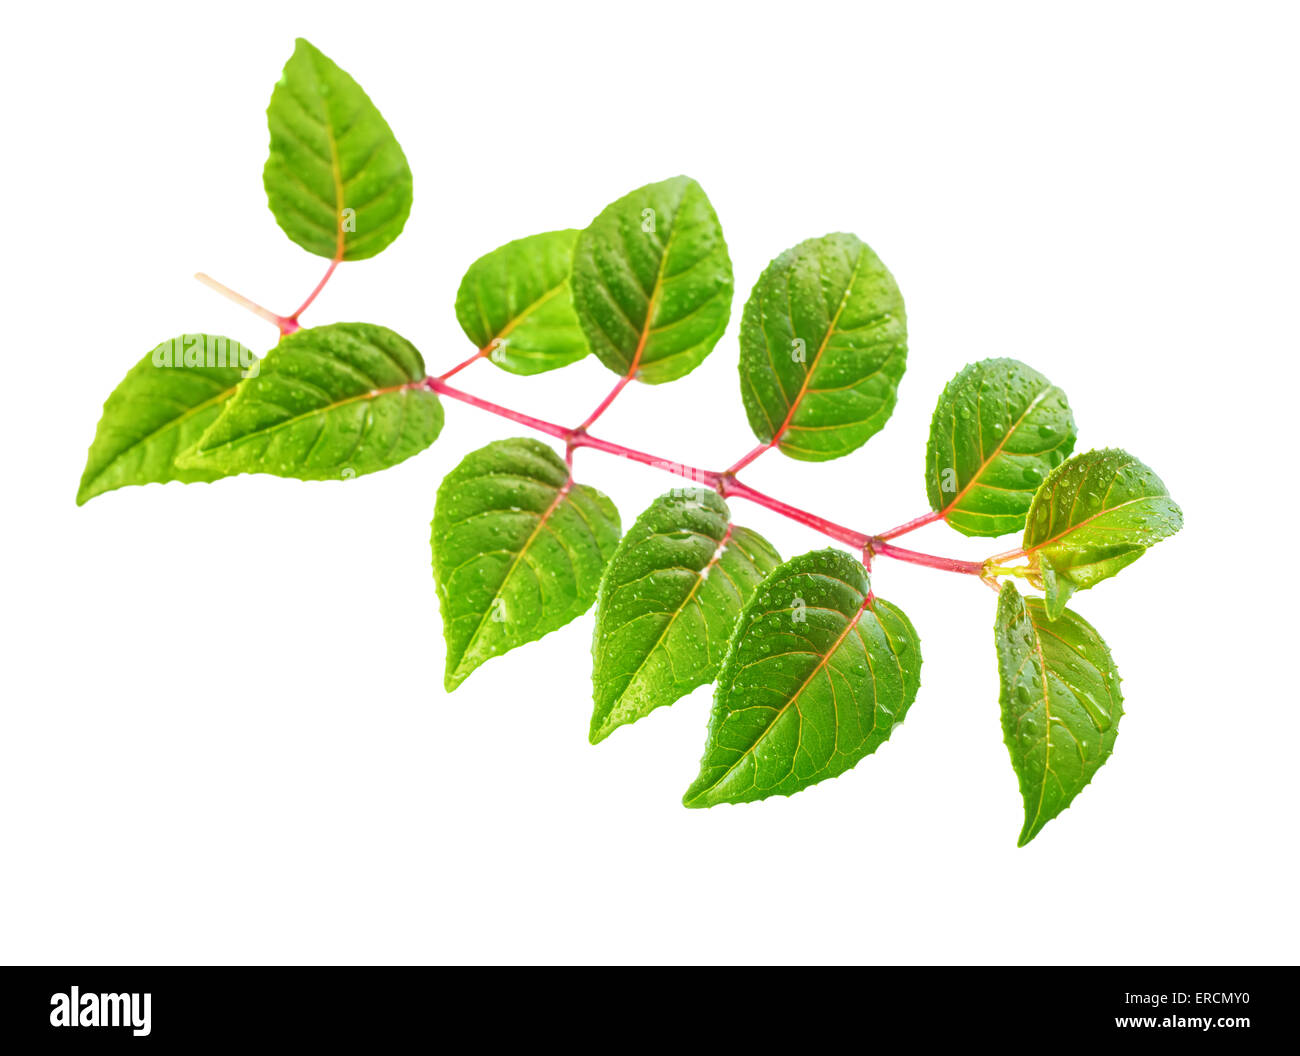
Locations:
(516, 302)
(817, 675)
(823, 345)
(329, 403)
(652, 281)
(667, 605)
(518, 550)
(336, 179)
(161, 408)
(1096, 514)
(1060, 701)
(999, 429)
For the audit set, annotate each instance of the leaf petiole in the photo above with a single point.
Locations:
(284, 324)
(1019, 571)
(741, 463)
(604, 404)
(338, 257)
(480, 354)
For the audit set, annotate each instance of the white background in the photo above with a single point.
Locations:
(224, 734)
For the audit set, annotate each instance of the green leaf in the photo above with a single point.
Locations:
(331, 402)
(818, 674)
(999, 429)
(1096, 514)
(336, 179)
(161, 408)
(652, 281)
(667, 605)
(823, 345)
(518, 550)
(1060, 702)
(516, 302)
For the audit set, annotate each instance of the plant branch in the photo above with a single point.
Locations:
(725, 482)
(443, 389)
(284, 324)
(704, 477)
(572, 437)
(946, 564)
(732, 488)
(911, 526)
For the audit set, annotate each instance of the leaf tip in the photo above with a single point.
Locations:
(85, 491)
(1034, 824)
(454, 675)
(699, 796)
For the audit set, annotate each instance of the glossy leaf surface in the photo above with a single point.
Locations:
(160, 409)
(329, 403)
(1095, 515)
(823, 345)
(667, 605)
(999, 430)
(652, 281)
(1060, 700)
(336, 179)
(516, 301)
(816, 677)
(518, 550)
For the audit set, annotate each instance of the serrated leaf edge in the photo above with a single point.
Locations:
(974, 481)
(596, 735)
(86, 482)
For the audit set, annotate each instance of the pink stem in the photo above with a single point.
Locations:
(911, 526)
(727, 485)
(603, 406)
(316, 292)
(705, 477)
(461, 366)
(443, 389)
(742, 463)
(947, 564)
(732, 487)
(724, 482)
(571, 437)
